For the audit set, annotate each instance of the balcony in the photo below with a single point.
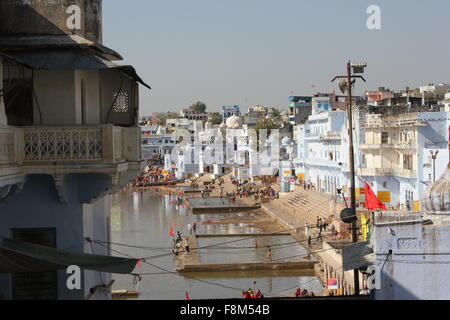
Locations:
(331, 135)
(58, 151)
(397, 172)
(383, 146)
(10, 171)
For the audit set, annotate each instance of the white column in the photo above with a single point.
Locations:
(3, 119)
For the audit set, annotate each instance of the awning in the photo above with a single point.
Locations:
(70, 59)
(5, 56)
(17, 257)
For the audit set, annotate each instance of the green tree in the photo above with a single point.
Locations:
(275, 113)
(198, 107)
(265, 123)
(162, 117)
(216, 118)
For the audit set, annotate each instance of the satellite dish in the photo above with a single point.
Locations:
(343, 85)
(348, 216)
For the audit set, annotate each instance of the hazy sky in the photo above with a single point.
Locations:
(260, 51)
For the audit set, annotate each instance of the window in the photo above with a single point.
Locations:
(121, 102)
(407, 162)
(35, 285)
(384, 137)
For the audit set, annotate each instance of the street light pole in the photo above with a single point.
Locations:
(358, 68)
(434, 157)
(352, 168)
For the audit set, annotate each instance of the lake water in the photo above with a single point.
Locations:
(140, 223)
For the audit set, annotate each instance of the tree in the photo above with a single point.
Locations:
(216, 118)
(275, 113)
(265, 123)
(162, 117)
(198, 107)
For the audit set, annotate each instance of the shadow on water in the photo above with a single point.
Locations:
(140, 223)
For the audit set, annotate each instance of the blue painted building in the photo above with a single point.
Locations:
(228, 111)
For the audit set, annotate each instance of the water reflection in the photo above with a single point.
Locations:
(140, 224)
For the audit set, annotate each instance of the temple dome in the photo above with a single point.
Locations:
(437, 199)
(234, 122)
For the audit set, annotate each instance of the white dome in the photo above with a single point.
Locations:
(234, 122)
(437, 199)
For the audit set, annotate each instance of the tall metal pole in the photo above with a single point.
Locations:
(352, 169)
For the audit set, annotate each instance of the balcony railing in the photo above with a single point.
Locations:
(398, 172)
(8, 147)
(62, 144)
(68, 145)
(331, 135)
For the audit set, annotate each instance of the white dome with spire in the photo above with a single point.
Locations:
(437, 199)
(234, 122)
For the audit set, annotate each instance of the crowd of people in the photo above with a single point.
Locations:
(149, 175)
(244, 189)
(250, 295)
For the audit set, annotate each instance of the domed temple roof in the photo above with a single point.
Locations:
(234, 122)
(437, 199)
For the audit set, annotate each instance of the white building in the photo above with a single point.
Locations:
(69, 139)
(397, 159)
(438, 90)
(410, 252)
(322, 156)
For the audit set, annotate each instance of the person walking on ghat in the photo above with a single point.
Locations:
(319, 237)
(269, 253)
(194, 227)
(186, 245)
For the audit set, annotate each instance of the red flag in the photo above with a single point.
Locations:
(372, 202)
(171, 232)
(187, 296)
(138, 263)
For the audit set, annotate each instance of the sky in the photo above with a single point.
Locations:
(248, 52)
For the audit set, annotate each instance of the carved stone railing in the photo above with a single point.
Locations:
(62, 144)
(59, 151)
(8, 146)
(80, 144)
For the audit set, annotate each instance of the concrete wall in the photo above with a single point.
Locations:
(92, 96)
(56, 97)
(38, 206)
(96, 225)
(43, 17)
(413, 259)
